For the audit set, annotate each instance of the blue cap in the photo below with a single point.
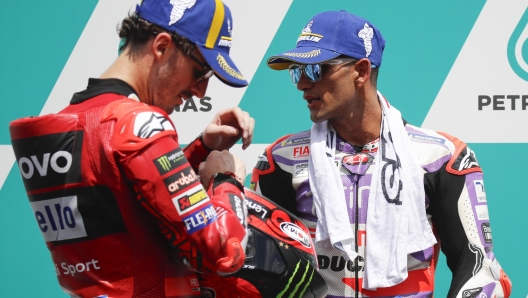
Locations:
(207, 23)
(331, 34)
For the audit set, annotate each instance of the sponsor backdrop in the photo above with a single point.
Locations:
(454, 66)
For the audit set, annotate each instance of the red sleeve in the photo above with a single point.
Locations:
(196, 152)
(148, 151)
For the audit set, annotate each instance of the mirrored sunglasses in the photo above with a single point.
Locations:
(314, 72)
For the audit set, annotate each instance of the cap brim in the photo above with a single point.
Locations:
(301, 55)
(223, 67)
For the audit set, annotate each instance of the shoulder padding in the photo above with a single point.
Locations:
(137, 124)
(265, 162)
(463, 161)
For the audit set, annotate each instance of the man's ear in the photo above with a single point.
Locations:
(363, 69)
(161, 44)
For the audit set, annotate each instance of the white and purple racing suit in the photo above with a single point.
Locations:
(455, 204)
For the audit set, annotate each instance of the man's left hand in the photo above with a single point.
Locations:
(227, 127)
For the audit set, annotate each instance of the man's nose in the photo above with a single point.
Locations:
(304, 83)
(198, 89)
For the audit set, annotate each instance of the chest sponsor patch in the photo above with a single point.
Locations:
(169, 161)
(180, 180)
(290, 142)
(200, 219)
(190, 199)
(425, 138)
(300, 169)
(301, 151)
(358, 163)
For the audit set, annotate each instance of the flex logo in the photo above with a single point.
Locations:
(200, 219)
(169, 161)
(59, 218)
(518, 48)
(49, 160)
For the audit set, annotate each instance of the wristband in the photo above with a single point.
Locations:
(200, 137)
(229, 177)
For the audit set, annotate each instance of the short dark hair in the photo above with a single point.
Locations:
(373, 71)
(136, 32)
(374, 76)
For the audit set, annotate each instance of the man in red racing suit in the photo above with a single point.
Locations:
(109, 183)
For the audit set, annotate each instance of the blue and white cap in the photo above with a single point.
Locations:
(207, 23)
(331, 34)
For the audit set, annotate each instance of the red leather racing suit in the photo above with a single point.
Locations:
(455, 205)
(111, 188)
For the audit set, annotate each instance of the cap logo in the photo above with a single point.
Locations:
(307, 34)
(310, 54)
(367, 34)
(225, 41)
(308, 28)
(228, 69)
(178, 9)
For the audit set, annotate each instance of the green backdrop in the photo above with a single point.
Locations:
(423, 41)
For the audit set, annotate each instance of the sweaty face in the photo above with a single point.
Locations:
(176, 80)
(332, 97)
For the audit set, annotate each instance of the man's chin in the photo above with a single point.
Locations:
(316, 119)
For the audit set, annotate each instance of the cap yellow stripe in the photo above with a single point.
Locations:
(310, 34)
(216, 24)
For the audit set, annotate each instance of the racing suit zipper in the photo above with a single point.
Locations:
(356, 220)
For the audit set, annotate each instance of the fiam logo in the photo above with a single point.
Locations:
(518, 48)
(169, 161)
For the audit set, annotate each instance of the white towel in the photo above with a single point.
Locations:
(396, 220)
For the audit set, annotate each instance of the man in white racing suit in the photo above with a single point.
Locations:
(380, 196)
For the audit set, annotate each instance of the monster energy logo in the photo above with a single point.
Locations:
(169, 161)
(298, 282)
(164, 163)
